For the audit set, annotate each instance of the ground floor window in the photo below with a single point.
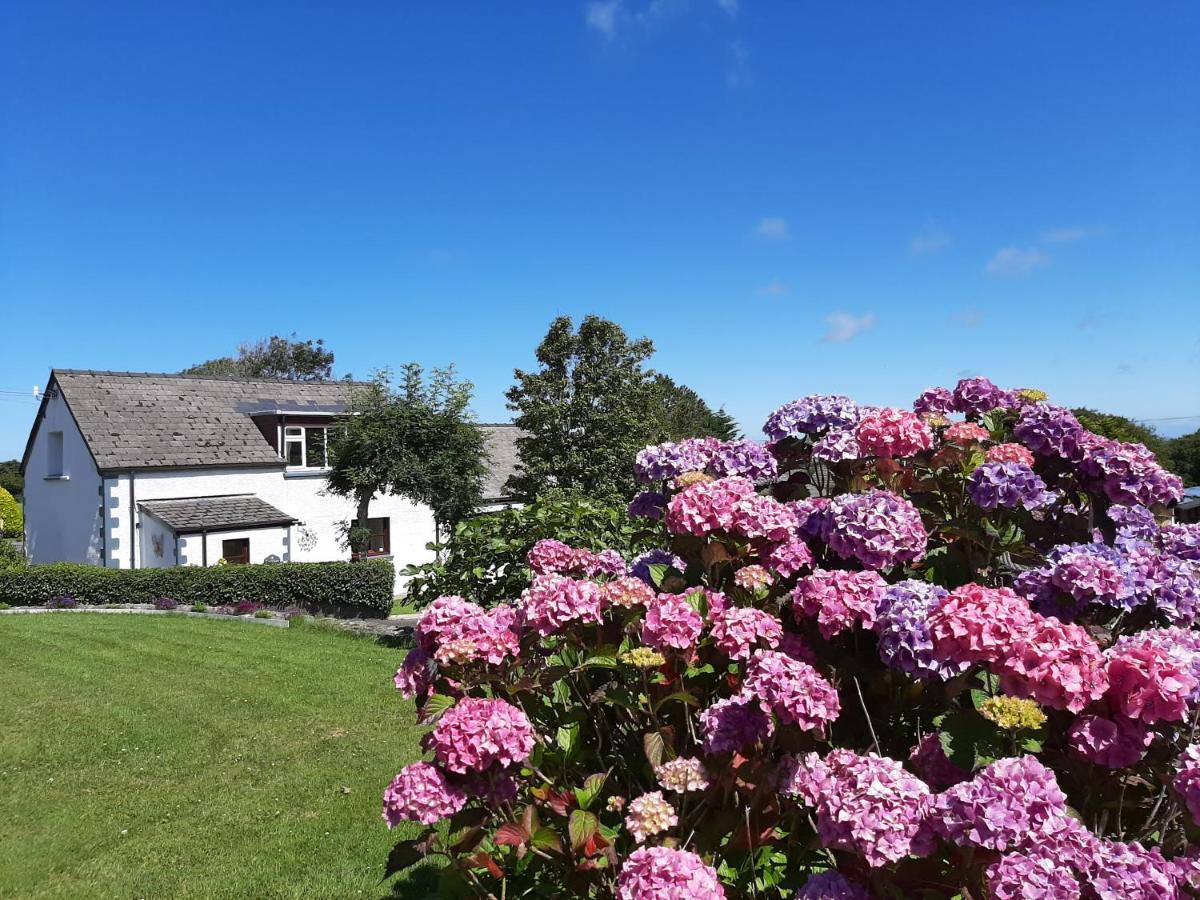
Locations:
(236, 550)
(381, 537)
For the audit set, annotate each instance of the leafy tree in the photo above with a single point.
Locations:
(485, 558)
(12, 519)
(417, 440)
(682, 413)
(1185, 457)
(11, 479)
(1120, 428)
(273, 357)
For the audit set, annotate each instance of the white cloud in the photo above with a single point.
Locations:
(1069, 234)
(1017, 261)
(602, 15)
(773, 288)
(772, 228)
(730, 6)
(844, 326)
(929, 242)
(739, 70)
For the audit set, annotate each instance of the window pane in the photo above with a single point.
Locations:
(236, 551)
(294, 453)
(293, 431)
(315, 446)
(381, 539)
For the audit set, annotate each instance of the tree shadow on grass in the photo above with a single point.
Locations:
(418, 883)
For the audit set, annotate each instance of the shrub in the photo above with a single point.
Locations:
(340, 588)
(245, 608)
(166, 603)
(12, 519)
(10, 556)
(199, 607)
(263, 614)
(485, 558)
(62, 603)
(929, 670)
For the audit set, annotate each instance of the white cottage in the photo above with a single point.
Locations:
(134, 470)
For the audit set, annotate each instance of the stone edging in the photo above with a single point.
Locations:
(34, 610)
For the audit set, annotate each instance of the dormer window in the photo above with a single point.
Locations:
(305, 446)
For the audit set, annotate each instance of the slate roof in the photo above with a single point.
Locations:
(142, 420)
(200, 513)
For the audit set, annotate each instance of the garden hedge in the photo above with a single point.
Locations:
(341, 588)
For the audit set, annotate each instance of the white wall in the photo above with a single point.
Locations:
(264, 542)
(62, 515)
(151, 530)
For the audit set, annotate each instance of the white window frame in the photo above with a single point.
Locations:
(299, 435)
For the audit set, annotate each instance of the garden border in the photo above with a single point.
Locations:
(33, 610)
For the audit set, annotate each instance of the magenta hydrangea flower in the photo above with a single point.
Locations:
(708, 506)
(975, 396)
(839, 599)
(792, 689)
(1025, 876)
(551, 557)
(975, 624)
(478, 733)
(443, 613)
(1129, 473)
(1012, 453)
(1120, 871)
(734, 723)
(414, 676)
(929, 760)
(1187, 782)
(1057, 665)
(1007, 484)
(1113, 743)
(810, 416)
(865, 804)
(647, 505)
(760, 517)
(661, 873)
(671, 623)
(1007, 805)
(878, 529)
(492, 635)
(1178, 540)
(1147, 681)
(788, 558)
(902, 624)
(891, 433)
(421, 793)
(937, 400)
(837, 446)
(830, 886)
(1181, 644)
(1088, 577)
(553, 601)
(1050, 431)
(737, 631)
(962, 434)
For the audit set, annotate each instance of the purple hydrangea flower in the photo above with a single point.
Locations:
(835, 446)
(749, 459)
(878, 528)
(1050, 431)
(670, 460)
(1009, 485)
(902, 626)
(975, 396)
(810, 416)
(648, 505)
(938, 400)
(1005, 806)
(640, 567)
(1129, 473)
(1182, 541)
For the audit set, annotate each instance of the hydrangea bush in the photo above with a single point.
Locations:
(946, 652)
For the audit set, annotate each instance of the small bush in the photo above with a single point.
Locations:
(263, 614)
(12, 519)
(199, 607)
(245, 607)
(341, 588)
(10, 556)
(5, 606)
(62, 603)
(166, 604)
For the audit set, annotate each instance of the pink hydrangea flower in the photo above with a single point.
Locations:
(707, 507)
(414, 678)
(493, 635)
(421, 793)
(878, 529)
(891, 433)
(759, 517)
(1187, 782)
(661, 873)
(551, 557)
(751, 578)
(977, 624)
(478, 733)
(1005, 806)
(628, 591)
(553, 601)
(1014, 453)
(682, 775)
(793, 690)
(671, 623)
(865, 804)
(734, 723)
(788, 558)
(964, 433)
(1057, 665)
(737, 631)
(1113, 743)
(1148, 682)
(443, 613)
(649, 815)
(839, 599)
(1023, 876)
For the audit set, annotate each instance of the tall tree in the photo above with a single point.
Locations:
(11, 479)
(682, 413)
(416, 439)
(584, 413)
(1120, 428)
(273, 357)
(1185, 457)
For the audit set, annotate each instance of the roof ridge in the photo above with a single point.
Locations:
(181, 375)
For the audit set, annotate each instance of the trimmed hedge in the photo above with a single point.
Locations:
(338, 588)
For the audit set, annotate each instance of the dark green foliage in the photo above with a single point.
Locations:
(484, 561)
(417, 440)
(273, 357)
(12, 518)
(1120, 428)
(345, 588)
(11, 478)
(682, 413)
(1185, 457)
(10, 556)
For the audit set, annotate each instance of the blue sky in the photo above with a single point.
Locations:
(787, 197)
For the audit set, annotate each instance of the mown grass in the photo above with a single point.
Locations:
(165, 756)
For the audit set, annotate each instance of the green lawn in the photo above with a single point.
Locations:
(164, 756)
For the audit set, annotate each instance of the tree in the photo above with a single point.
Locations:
(1120, 428)
(417, 440)
(12, 519)
(1185, 457)
(11, 479)
(584, 413)
(273, 357)
(682, 413)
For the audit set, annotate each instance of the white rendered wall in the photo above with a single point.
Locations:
(62, 515)
(150, 531)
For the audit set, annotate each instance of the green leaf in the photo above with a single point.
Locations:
(601, 658)
(567, 737)
(658, 571)
(546, 838)
(581, 827)
(592, 786)
(434, 707)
